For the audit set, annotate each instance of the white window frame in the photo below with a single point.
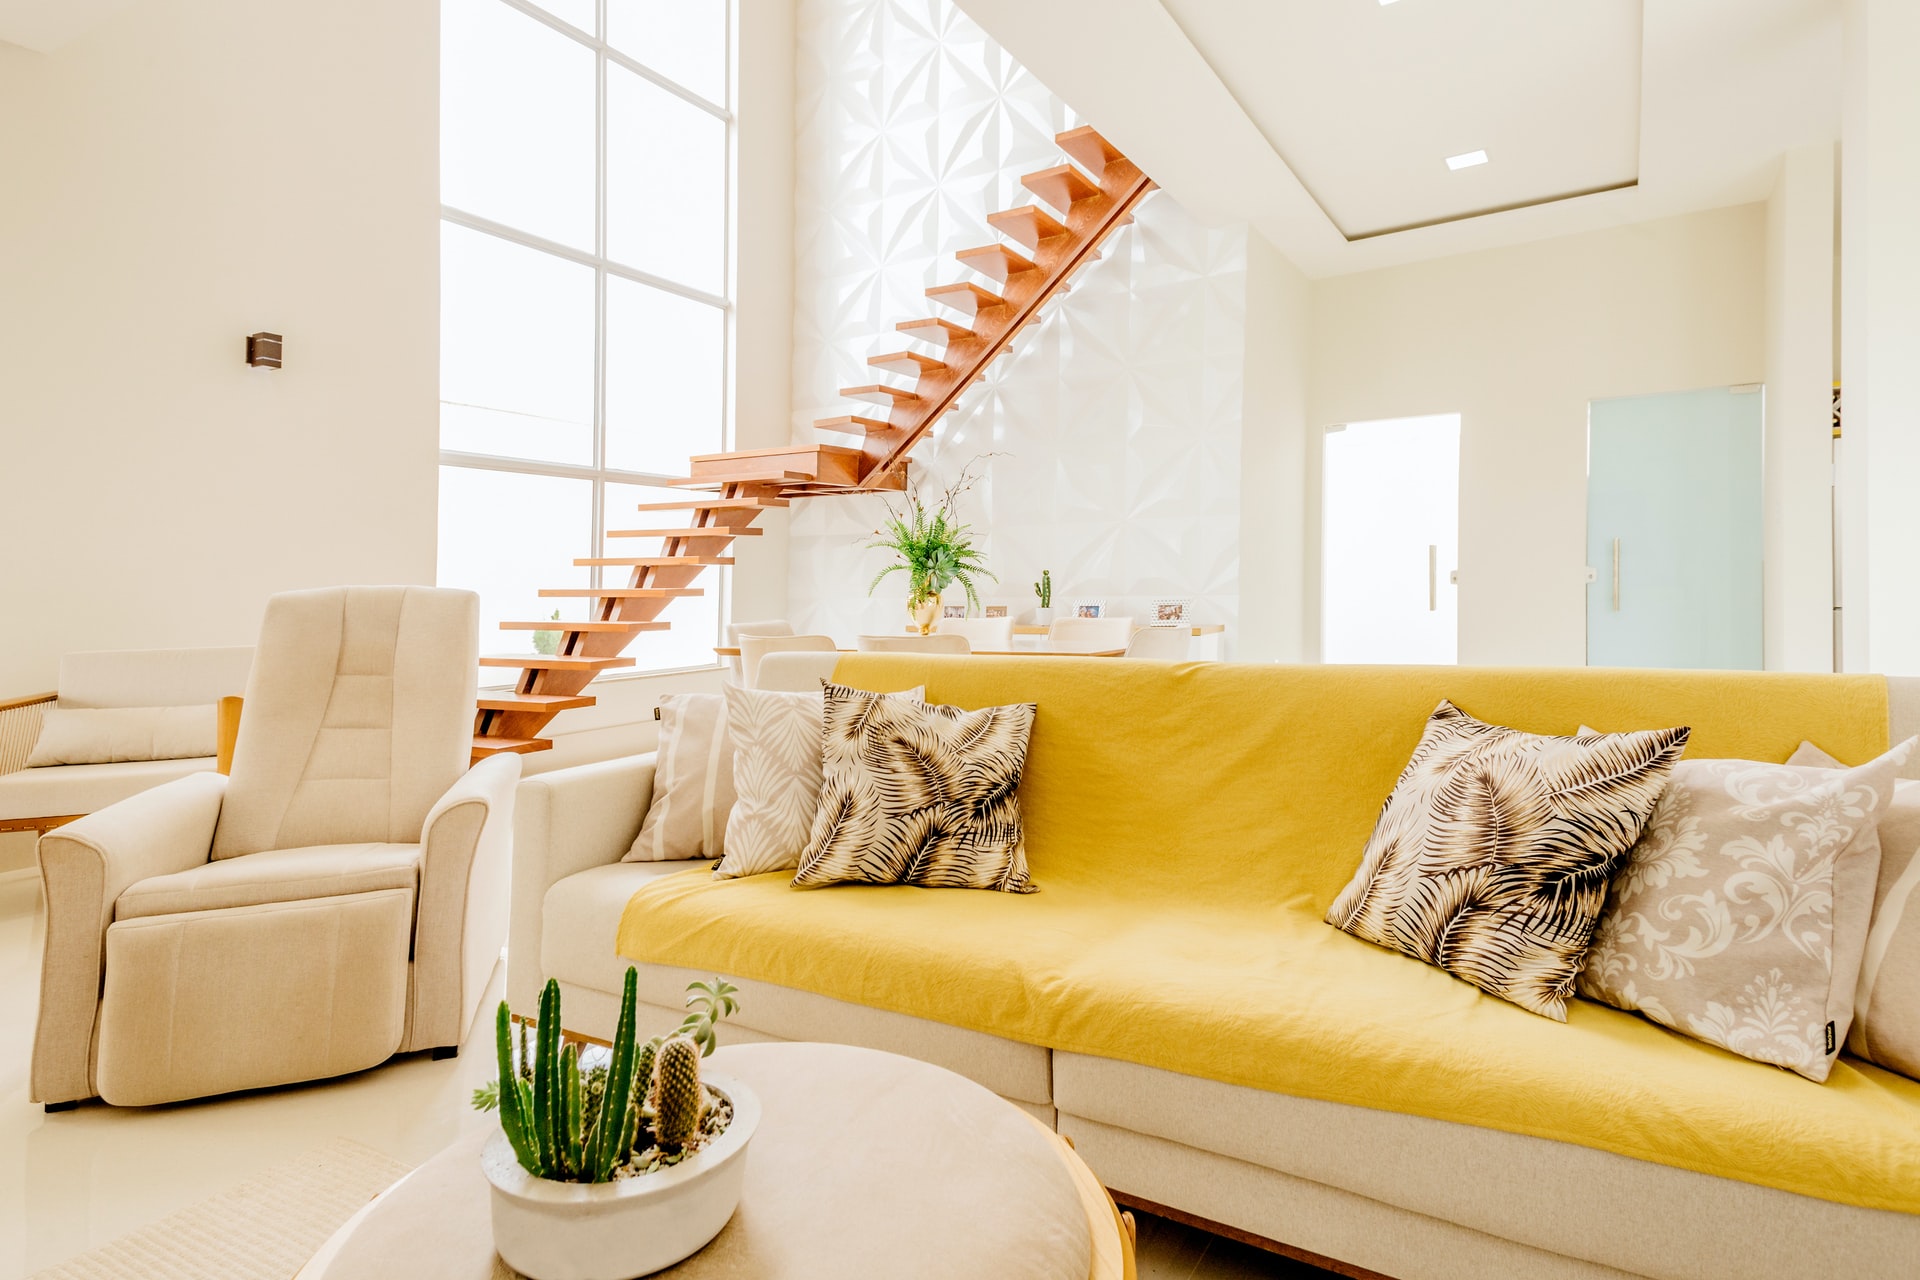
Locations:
(598, 473)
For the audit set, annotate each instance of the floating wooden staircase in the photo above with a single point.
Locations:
(1090, 199)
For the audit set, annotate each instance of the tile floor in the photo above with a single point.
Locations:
(72, 1181)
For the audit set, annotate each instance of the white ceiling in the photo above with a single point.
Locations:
(45, 25)
(1365, 101)
(1326, 123)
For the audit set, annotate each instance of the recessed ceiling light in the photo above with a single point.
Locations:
(1466, 160)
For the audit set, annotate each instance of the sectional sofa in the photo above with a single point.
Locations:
(1172, 1001)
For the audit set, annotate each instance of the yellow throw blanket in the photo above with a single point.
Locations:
(1188, 826)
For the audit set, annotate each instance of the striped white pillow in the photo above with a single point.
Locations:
(692, 782)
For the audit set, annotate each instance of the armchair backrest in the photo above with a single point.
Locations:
(359, 715)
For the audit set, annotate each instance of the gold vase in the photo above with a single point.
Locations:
(924, 612)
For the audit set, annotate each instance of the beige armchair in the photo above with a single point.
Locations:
(341, 897)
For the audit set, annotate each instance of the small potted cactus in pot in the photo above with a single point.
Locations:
(1043, 592)
(611, 1164)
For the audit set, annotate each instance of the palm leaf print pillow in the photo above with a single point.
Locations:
(919, 794)
(1492, 855)
(1741, 917)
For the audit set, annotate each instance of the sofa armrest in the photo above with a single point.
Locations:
(20, 720)
(565, 822)
(84, 868)
(461, 919)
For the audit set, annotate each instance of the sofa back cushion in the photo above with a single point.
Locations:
(359, 715)
(153, 677)
(108, 735)
(1230, 783)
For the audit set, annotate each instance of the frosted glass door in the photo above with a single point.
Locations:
(1390, 539)
(1674, 530)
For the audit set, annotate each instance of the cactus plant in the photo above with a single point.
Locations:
(679, 1099)
(572, 1123)
(1044, 588)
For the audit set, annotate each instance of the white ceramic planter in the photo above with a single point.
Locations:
(1043, 617)
(628, 1227)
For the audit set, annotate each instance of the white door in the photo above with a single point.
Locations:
(1390, 538)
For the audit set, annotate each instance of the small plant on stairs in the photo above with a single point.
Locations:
(602, 1121)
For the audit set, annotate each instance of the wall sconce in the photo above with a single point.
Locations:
(263, 350)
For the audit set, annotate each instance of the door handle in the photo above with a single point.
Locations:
(1616, 575)
(1433, 577)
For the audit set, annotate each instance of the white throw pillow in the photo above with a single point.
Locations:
(692, 782)
(778, 740)
(108, 735)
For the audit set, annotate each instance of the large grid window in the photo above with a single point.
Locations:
(585, 296)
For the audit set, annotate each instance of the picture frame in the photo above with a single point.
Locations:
(996, 611)
(1173, 611)
(953, 610)
(1086, 609)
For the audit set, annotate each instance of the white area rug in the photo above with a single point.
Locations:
(263, 1229)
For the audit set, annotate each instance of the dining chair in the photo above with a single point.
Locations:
(1163, 644)
(1087, 635)
(993, 635)
(754, 648)
(736, 630)
(935, 643)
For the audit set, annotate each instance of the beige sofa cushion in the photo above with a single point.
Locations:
(581, 915)
(62, 790)
(1642, 1218)
(283, 875)
(111, 735)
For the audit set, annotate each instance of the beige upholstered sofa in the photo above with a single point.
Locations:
(340, 898)
(44, 797)
(1399, 1194)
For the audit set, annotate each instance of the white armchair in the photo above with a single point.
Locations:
(340, 898)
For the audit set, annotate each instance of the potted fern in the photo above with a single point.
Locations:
(613, 1163)
(935, 550)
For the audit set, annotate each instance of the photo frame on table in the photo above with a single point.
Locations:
(996, 611)
(1170, 612)
(953, 610)
(1086, 609)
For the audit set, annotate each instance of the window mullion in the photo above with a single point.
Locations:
(598, 514)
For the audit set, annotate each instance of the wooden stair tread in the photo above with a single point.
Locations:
(854, 424)
(553, 662)
(1060, 186)
(716, 504)
(746, 475)
(937, 331)
(911, 363)
(654, 562)
(484, 746)
(710, 531)
(554, 624)
(534, 701)
(877, 393)
(1029, 224)
(968, 299)
(996, 260)
(1093, 152)
(620, 593)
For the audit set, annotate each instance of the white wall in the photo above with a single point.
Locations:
(1798, 585)
(1880, 339)
(1117, 420)
(186, 174)
(1517, 341)
(1274, 542)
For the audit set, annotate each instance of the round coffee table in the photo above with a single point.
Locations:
(865, 1164)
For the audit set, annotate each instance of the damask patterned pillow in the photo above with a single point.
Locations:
(1886, 999)
(777, 742)
(1741, 916)
(916, 794)
(1492, 855)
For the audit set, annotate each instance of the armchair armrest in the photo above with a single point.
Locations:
(461, 920)
(565, 822)
(84, 868)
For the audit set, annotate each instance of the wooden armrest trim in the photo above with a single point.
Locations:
(31, 700)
